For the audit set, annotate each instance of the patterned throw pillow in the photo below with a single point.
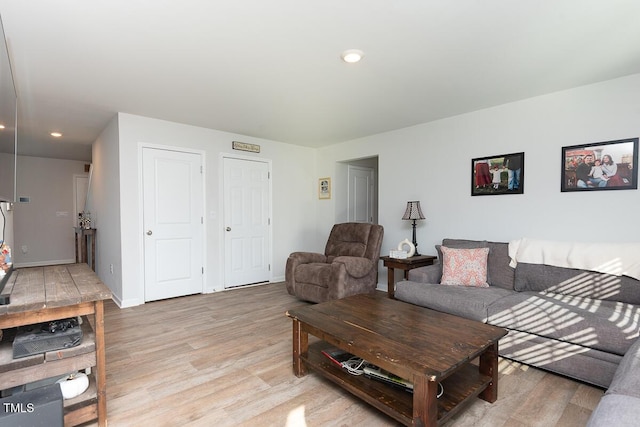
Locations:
(464, 267)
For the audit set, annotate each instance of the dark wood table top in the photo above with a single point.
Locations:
(411, 260)
(400, 337)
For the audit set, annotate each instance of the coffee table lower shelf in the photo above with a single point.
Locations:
(461, 386)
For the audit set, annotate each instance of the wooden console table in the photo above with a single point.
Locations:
(43, 294)
(405, 264)
(85, 238)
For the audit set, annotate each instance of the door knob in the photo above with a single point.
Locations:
(228, 228)
(149, 233)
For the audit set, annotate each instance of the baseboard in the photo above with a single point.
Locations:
(43, 263)
(126, 303)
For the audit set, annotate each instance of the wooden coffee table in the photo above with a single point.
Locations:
(423, 346)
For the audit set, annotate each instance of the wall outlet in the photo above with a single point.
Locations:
(111, 268)
(25, 249)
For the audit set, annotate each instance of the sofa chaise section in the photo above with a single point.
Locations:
(573, 322)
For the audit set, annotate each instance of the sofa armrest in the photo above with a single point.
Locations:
(355, 266)
(427, 274)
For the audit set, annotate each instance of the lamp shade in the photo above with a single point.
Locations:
(413, 211)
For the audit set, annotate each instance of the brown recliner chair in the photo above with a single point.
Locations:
(349, 265)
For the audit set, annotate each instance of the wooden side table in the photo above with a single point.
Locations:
(403, 264)
(43, 294)
(85, 238)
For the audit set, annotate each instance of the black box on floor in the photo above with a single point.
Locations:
(40, 407)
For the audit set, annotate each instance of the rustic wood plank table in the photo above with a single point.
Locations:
(423, 346)
(43, 294)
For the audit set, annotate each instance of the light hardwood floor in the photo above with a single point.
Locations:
(224, 359)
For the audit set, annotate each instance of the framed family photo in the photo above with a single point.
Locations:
(609, 165)
(495, 175)
(324, 188)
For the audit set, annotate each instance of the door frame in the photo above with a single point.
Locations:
(371, 191)
(221, 222)
(141, 231)
(341, 191)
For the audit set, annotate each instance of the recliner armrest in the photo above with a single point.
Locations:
(307, 257)
(355, 266)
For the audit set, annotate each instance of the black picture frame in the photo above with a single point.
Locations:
(497, 175)
(608, 165)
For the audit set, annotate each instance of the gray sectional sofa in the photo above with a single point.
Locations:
(577, 323)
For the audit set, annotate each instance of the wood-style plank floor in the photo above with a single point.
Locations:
(224, 359)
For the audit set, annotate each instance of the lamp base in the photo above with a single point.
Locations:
(415, 243)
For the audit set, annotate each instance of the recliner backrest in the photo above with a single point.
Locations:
(354, 239)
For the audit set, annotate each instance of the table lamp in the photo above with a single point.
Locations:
(414, 213)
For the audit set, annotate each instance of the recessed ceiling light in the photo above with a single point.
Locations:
(352, 56)
(55, 134)
(1, 126)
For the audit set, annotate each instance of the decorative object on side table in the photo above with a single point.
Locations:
(414, 213)
(84, 220)
(401, 252)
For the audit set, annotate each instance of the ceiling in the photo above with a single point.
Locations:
(272, 69)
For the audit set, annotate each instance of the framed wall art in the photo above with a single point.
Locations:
(495, 175)
(609, 165)
(324, 188)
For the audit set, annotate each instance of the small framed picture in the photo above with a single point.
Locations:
(608, 165)
(324, 188)
(496, 175)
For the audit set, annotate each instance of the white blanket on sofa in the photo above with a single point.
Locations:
(620, 259)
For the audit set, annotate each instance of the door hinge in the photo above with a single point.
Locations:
(201, 220)
(202, 270)
(268, 175)
(269, 267)
(201, 169)
(268, 221)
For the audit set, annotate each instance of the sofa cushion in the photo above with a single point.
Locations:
(500, 273)
(627, 377)
(461, 244)
(468, 302)
(583, 363)
(464, 267)
(603, 325)
(582, 283)
(427, 274)
(456, 244)
(616, 410)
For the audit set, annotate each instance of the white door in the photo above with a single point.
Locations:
(360, 194)
(247, 198)
(173, 223)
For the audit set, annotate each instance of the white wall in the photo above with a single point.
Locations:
(293, 185)
(432, 163)
(104, 205)
(429, 162)
(44, 226)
